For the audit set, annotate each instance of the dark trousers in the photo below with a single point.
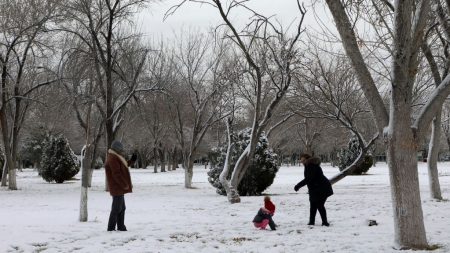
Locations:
(318, 205)
(117, 215)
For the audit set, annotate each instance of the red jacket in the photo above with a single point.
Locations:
(117, 174)
(269, 206)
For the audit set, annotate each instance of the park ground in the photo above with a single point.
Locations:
(162, 216)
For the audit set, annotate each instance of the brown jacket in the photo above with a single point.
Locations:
(117, 174)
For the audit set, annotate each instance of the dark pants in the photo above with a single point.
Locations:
(317, 205)
(117, 215)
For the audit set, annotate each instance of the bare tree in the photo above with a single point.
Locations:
(198, 96)
(86, 172)
(439, 36)
(80, 84)
(118, 57)
(402, 139)
(116, 52)
(157, 126)
(270, 56)
(327, 89)
(23, 49)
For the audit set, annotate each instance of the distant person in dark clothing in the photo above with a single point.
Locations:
(264, 215)
(319, 188)
(119, 183)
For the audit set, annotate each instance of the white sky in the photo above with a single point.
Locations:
(196, 16)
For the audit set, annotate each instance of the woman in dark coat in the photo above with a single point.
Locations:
(319, 188)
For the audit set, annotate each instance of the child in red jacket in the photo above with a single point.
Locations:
(264, 215)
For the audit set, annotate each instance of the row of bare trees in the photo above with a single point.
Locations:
(406, 50)
(25, 43)
(80, 67)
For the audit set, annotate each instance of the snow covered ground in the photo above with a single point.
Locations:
(162, 216)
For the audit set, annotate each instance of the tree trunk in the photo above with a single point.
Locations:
(433, 154)
(169, 160)
(94, 157)
(109, 140)
(402, 138)
(188, 172)
(5, 174)
(162, 154)
(403, 172)
(348, 171)
(309, 149)
(357, 162)
(92, 167)
(14, 139)
(163, 166)
(85, 181)
(12, 182)
(232, 193)
(83, 204)
(247, 155)
(155, 160)
(174, 160)
(241, 165)
(447, 138)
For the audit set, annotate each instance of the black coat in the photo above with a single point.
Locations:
(261, 215)
(319, 186)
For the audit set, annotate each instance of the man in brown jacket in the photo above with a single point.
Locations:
(119, 183)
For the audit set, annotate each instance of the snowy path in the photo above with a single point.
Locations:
(164, 217)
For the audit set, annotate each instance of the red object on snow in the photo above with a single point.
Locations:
(269, 206)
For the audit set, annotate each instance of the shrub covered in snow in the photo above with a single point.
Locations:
(59, 163)
(258, 177)
(348, 155)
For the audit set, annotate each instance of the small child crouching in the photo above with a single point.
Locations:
(264, 215)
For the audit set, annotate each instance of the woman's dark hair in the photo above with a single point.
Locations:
(306, 156)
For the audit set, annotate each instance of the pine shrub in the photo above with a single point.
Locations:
(348, 155)
(258, 177)
(59, 163)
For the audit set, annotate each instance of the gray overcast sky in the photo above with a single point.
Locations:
(196, 16)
